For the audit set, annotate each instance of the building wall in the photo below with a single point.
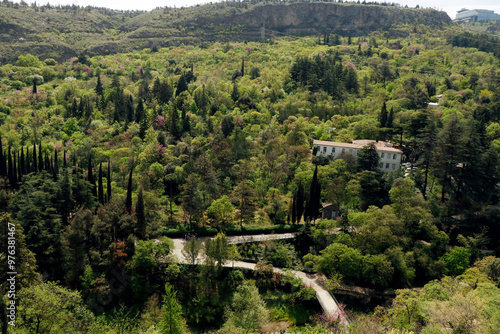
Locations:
(389, 161)
(474, 15)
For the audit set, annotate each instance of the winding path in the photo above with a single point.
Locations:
(315, 281)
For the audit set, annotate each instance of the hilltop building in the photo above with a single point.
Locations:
(390, 157)
(475, 15)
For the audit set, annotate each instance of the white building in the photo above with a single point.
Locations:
(390, 157)
(475, 15)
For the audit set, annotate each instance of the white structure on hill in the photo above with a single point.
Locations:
(390, 157)
(475, 15)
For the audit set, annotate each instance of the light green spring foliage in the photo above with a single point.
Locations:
(465, 304)
(248, 311)
(51, 308)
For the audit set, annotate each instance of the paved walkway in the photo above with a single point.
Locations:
(315, 281)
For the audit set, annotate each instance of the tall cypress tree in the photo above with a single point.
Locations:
(383, 116)
(19, 168)
(128, 201)
(108, 180)
(390, 118)
(35, 160)
(56, 166)
(91, 177)
(64, 159)
(99, 184)
(9, 168)
(314, 202)
(28, 161)
(140, 215)
(22, 162)
(294, 209)
(243, 67)
(299, 203)
(40, 157)
(14, 171)
(3, 171)
(98, 88)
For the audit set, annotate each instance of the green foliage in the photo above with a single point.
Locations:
(172, 322)
(248, 310)
(48, 308)
(457, 260)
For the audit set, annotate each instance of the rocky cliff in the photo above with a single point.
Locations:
(64, 32)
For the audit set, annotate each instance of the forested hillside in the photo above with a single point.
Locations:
(101, 156)
(61, 32)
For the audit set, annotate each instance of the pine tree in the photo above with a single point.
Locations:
(235, 95)
(34, 85)
(182, 85)
(128, 201)
(172, 322)
(174, 123)
(98, 88)
(243, 67)
(140, 215)
(139, 112)
(99, 184)
(108, 180)
(129, 109)
(294, 209)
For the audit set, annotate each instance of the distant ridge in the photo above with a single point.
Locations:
(63, 32)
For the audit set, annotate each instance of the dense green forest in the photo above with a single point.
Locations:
(101, 156)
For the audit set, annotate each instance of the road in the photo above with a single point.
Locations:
(315, 281)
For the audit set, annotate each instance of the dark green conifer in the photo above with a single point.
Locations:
(90, 177)
(243, 67)
(56, 166)
(40, 157)
(299, 202)
(10, 171)
(128, 200)
(98, 88)
(383, 116)
(22, 163)
(108, 180)
(35, 161)
(28, 160)
(100, 186)
(140, 215)
(3, 171)
(182, 85)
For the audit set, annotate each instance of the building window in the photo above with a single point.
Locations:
(382, 155)
(387, 165)
(324, 149)
(394, 156)
(333, 149)
(394, 166)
